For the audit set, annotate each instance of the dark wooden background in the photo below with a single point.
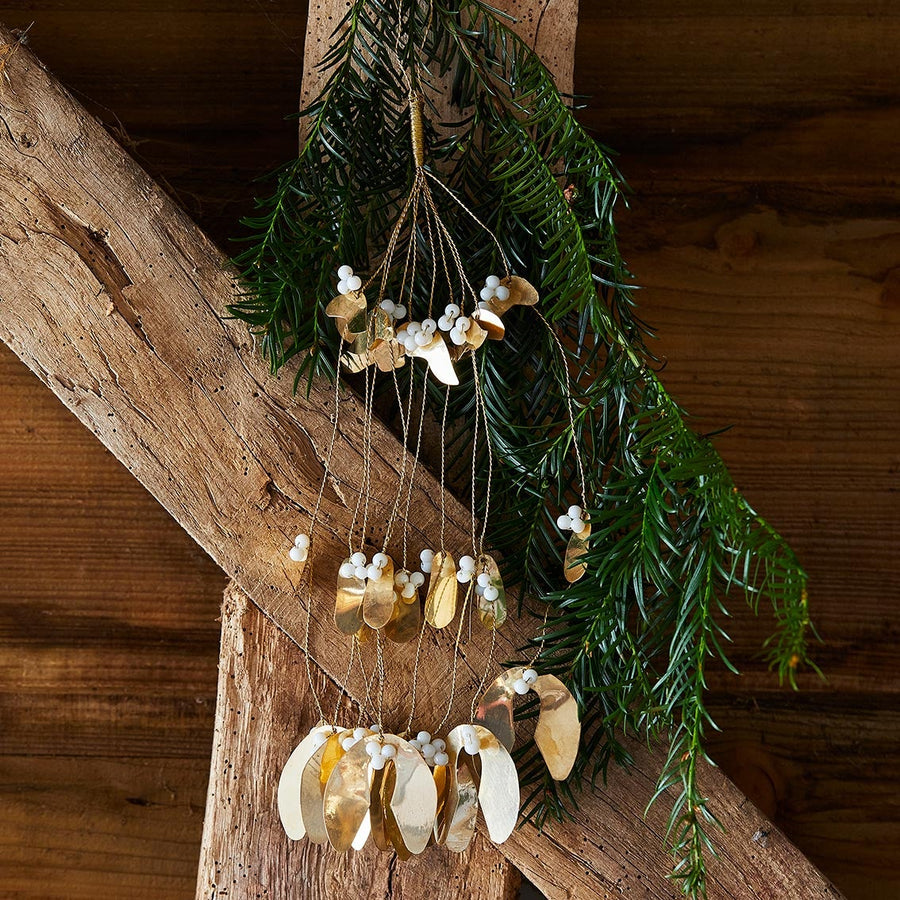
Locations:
(762, 141)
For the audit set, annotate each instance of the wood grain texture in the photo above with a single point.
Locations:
(100, 264)
(800, 126)
(263, 709)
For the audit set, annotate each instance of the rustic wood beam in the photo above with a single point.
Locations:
(114, 298)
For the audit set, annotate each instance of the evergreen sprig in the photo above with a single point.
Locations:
(673, 541)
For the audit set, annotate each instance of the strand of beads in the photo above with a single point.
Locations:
(466, 569)
(574, 520)
(379, 752)
(395, 310)
(408, 582)
(347, 281)
(493, 289)
(359, 566)
(523, 685)
(433, 750)
(299, 553)
(455, 324)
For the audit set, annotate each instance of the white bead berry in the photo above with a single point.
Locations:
(354, 283)
(502, 293)
(429, 325)
(298, 555)
(302, 541)
(399, 311)
(486, 294)
(457, 337)
(319, 739)
(472, 747)
(374, 572)
(388, 306)
(344, 272)
(521, 686)
(401, 578)
(444, 323)
(564, 523)
(428, 750)
(409, 591)
(575, 512)
(484, 579)
(422, 338)
(468, 733)
(439, 744)
(377, 761)
(380, 560)
(463, 576)
(529, 676)
(491, 593)
(417, 578)
(347, 742)
(359, 733)
(388, 751)
(441, 759)
(416, 744)
(463, 324)
(451, 310)
(361, 572)
(373, 747)
(492, 281)
(578, 526)
(423, 737)
(467, 563)
(358, 558)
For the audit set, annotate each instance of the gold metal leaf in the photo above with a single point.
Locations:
(388, 355)
(348, 603)
(495, 709)
(491, 612)
(521, 293)
(346, 797)
(376, 811)
(558, 730)
(349, 314)
(312, 789)
(490, 322)
(378, 599)
(461, 807)
(498, 791)
(413, 800)
(354, 362)
(381, 327)
(440, 604)
(391, 828)
(289, 809)
(475, 334)
(576, 549)
(405, 620)
(438, 358)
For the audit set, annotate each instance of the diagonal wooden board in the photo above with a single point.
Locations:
(113, 297)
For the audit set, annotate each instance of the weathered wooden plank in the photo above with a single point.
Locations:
(262, 710)
(70, 237)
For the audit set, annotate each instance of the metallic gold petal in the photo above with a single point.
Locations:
(413, 801)
(574, 568)
(438, 358)
(558, 730)
(406, 619)
(461, 807)
(488, 320)
(440, 605)
(521, 293)
(495, 709)
(348, 603)
(475, 335)
(391, 828)
(289, 808)
(349, 313)
(491, 612)
(346, 797)
(311, 789)
(378, 599)
(376, 811)
(498, 791)
(388, 355)
(381, 327)
(354, 363)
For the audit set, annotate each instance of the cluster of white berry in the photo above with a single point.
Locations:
(417, 334)
(347, 281)
(456, 324)
(574, 520)
(433, 751)
(379, 753)
(408, 582)
(358, 566)
(300, 551)
(492, 288)
(484, 588)
(523, 685)
(396, 311)
(471, 741)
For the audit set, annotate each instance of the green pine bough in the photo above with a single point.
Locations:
(673, 541)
